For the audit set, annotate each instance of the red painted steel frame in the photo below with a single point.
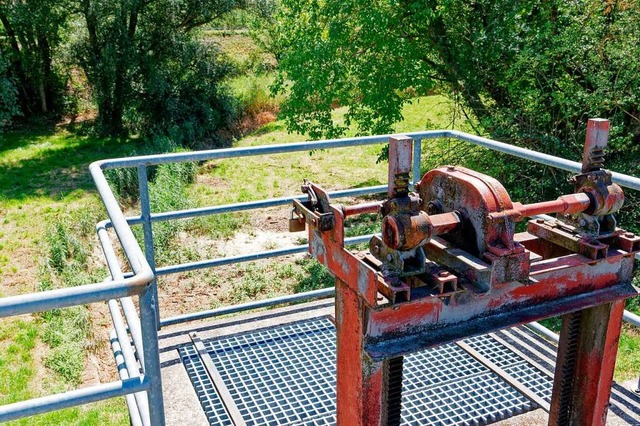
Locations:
(584, 367)
(360, 382)
(371, 330)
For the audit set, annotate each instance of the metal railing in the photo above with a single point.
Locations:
(134, 340)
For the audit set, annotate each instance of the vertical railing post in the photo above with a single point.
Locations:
(417, 149)
(145, 214)
(148, 309)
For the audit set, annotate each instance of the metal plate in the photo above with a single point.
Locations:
(286, 375)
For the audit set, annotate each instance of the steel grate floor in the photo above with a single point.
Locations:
(285, 375)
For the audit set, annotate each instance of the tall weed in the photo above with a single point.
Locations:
(124, 181)
(253, 95)
(66, 331)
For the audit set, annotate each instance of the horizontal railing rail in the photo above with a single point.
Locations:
(82, 396)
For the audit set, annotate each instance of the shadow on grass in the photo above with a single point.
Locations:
(50, 162)
(368, 182)
(23, 136)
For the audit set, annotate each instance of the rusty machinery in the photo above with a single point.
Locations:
(449, 265)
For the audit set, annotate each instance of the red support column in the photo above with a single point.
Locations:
(360, 387)
(585, 364)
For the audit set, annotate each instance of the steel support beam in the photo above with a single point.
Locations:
(585, 364)
(360, 380)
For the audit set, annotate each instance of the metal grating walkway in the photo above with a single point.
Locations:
(285, 375)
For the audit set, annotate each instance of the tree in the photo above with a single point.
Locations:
(144, 66)
(8, 95)
(31, 30)
(531, 73)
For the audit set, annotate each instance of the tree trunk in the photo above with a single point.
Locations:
(24, 91)
(47, 92)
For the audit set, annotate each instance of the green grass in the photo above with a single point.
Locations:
(50, 163)
(253, 94)
(264, 279)
(49, 210)
(628, 361)
(19, 380)
(253, 178)
(17, 340)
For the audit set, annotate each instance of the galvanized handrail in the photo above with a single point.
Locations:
(141, 281)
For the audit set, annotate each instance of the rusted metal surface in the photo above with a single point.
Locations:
(408, 231)
(585, 364)
(360, 399)
(357, 209)
(607, 198)
(449, 265)
(594, 144)
(566, 204)
(400, 162)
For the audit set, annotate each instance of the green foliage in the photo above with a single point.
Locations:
(252, 283)
(352, 53)
(531, 73)
(627, 361)
(181, 95)
(253, 96)
(18, 376)
(63, 247)
(65, 332)
(146, 71)
(124, 181)
(8, 94)
(168, 191)
(31, 31)
(256, 280)
(363, 224)
(223, 225)
(16, 361)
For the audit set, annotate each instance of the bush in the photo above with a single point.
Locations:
(124, 181)
(181, 96)
(253, 95)
(8, 95)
